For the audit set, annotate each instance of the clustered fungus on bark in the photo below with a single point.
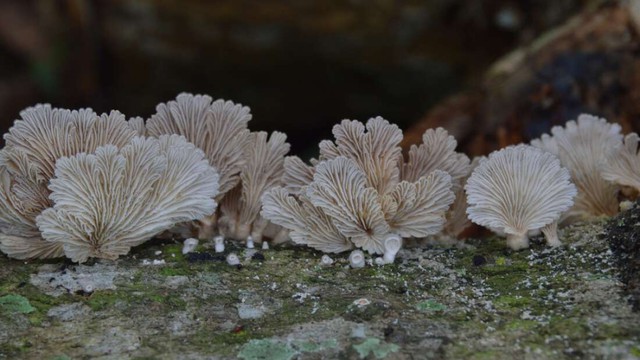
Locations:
(27, 164)
(114, 199)
(360, 192)
(82, 185)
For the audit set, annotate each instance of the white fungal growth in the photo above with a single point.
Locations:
(622, 165)
(263, 169)
(233, 259)
(517, 190)
(356, 259)
(392, 245)
(325, 260)
(218, 128)
(355, 196)
(551, 234)
(265, 245)
(114, 199)
(219, 243)
(32, 146)
(189, 245)
(250, 244)
(582, 148)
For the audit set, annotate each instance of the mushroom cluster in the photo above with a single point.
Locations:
(82, 185)
(249, 163)
(360, 192)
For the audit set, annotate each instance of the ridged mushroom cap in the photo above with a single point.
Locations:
(113, 199)
(518, 189)
(622, 165)
(582, 146)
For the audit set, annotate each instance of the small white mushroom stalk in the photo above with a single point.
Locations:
(356, 259)
(218, 242)
(355, 197)
(114, 199)
(518, 190)
(582, 148)
(189, 245)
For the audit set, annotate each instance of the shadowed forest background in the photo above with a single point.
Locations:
(302, 66)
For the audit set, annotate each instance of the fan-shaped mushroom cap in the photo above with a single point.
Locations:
(437, 152)
(263, 169)
(340, 189)
(375, 152)
(109, 201)
(518, 189)
(34, 143)
(218, 128)
(308, 224)
(622, 165)
(582, 147)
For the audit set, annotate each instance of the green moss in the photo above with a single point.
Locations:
(15, 304)
(430, 306)
(175, 271)
(266, 349)
(517, 301)
(173, 253)
(521, 325)
(60, 357)
(569, 327)
(101, 300)
(225, 338)
(312, 346)
(486, 355)
(375, 346)
(635, 351)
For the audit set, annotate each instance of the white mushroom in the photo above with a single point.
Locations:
(189, 245)
(356, 259)
(517, 190)
(263, 169)
(218, 128)
(219, 243)
(109, 201)
(582, 147)
(354, 194)
(233, 259)
(33, 145)
(622, 165)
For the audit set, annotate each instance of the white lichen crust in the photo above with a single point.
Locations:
(517, 190)
(111, 200)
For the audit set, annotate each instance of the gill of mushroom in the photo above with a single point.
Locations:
(354, 194)
(519, 190)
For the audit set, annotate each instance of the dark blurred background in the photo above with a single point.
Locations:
(304, 65)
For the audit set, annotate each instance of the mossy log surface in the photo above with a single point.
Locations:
(480, 301)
